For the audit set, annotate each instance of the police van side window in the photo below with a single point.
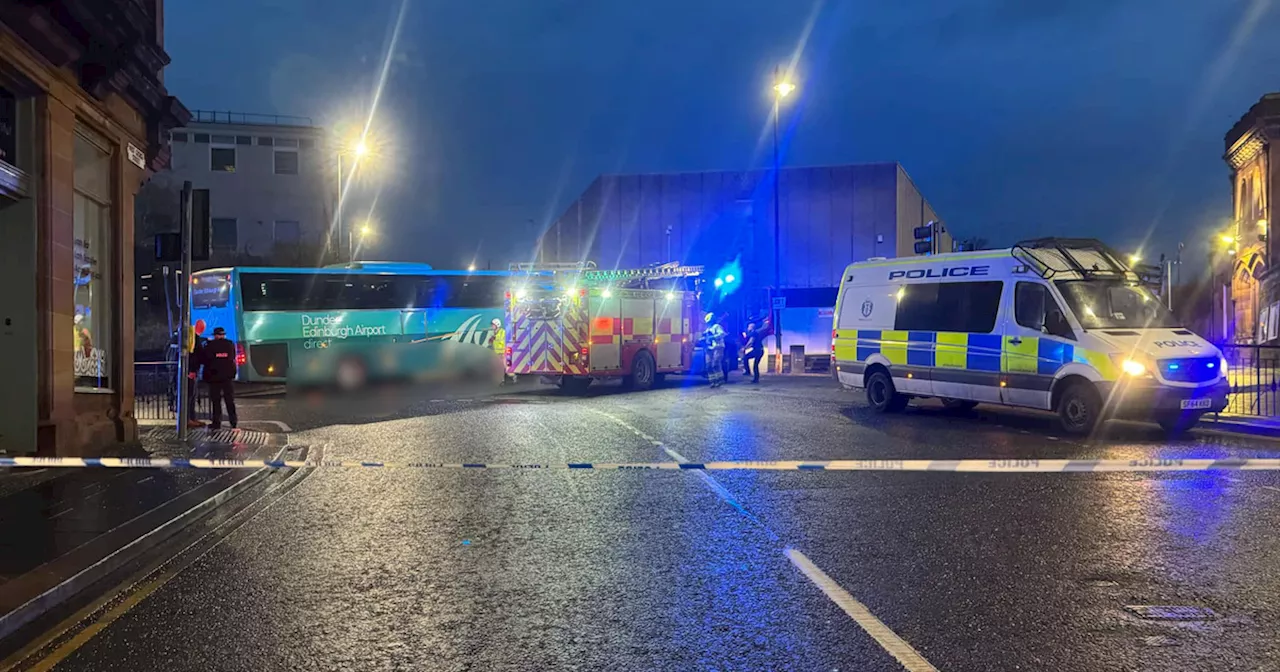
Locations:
(967, 307)
(1035, 308)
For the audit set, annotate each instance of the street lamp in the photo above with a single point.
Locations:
(359, 148)
(471, 268)
(782, 87)
(365, 231)
(1134, 259)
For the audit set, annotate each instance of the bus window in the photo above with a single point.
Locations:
(460, 291)
(270, 291)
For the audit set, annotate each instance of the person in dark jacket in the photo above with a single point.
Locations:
(755, 351)
(218, 357)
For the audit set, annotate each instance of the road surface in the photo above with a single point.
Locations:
(586, 570)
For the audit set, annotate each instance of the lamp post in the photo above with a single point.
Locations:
(781, 89)
(359, 150)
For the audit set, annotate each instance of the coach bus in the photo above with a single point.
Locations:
(352, 323)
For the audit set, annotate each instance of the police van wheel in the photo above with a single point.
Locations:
(958, 404)
(1178, 423)
(1079, 408)
(643, 372)
(882, 395)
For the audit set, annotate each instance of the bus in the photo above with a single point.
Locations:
(353, 323)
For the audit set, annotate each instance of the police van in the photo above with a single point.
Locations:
(1054, 324)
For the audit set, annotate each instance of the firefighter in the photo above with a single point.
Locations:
(498, 340)
(715, 351)
(219, 362)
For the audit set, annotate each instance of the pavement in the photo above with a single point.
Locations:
(380, 569)
(58, 525)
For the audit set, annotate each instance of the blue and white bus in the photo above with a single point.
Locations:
(352, 323)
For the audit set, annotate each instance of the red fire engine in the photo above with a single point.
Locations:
(572, 323)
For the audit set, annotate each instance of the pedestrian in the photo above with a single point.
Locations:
(714, 336)
(218, 359)
(755, 351)
(498, 341)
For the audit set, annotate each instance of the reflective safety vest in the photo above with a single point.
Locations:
(500, 340)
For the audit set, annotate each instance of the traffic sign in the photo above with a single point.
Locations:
(779, 302)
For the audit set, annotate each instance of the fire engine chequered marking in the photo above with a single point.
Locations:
(1009, 466)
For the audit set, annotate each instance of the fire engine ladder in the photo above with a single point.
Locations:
(640, 277)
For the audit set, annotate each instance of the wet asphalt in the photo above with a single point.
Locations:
(526, 570)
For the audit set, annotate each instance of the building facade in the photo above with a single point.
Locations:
(1252, 153)
(271, 188)
(84, 118)
(828, 217)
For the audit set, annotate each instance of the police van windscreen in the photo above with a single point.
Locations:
(1112, 304)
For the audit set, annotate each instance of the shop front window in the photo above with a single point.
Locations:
(94, 293)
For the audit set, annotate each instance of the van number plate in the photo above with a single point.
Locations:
(1197, 403)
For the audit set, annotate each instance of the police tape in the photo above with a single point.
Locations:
(970, 465)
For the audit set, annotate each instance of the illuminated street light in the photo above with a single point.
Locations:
(471, 268)
(782, 87)
(366, 230)
(1134, 259)
(360, 147)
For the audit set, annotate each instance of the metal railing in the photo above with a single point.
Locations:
(154, 384)
(248, 118)
(1254, 374)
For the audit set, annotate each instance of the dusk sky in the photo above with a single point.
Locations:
(1016, 119)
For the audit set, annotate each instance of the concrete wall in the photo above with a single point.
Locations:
(829, 217)
(254, 195)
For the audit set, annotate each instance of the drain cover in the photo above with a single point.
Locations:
(1165, 612)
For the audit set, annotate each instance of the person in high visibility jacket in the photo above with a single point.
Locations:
(498, 340)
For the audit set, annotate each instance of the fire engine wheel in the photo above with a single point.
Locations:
(643, 371)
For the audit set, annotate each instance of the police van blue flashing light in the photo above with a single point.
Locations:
(719, 282)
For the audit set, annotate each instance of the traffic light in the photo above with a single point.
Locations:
(929, 237)
(924, 238)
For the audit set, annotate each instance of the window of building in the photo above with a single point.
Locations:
(223, 139)
(306, 143)
(286, 142)
(93, 290)
(967, 307)
(224, 233)
(8, 127)
(264, 141)
(244, 140)
(202, 138)
(287, 231)
(222, 159)
(179, 137)
(286, 163)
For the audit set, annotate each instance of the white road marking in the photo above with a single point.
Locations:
(904, 653)
(283, 427)
(62, 513)
(886, 638)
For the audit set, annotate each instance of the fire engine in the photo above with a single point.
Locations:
(573, 323)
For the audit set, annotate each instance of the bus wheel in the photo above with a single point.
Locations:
(1079, 408)
(643, 371)
(958, 404)
(351, 374)
(574, 386)
(882, 395)
(1177, 423)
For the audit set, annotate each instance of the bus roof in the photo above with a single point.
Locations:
(367, 269)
